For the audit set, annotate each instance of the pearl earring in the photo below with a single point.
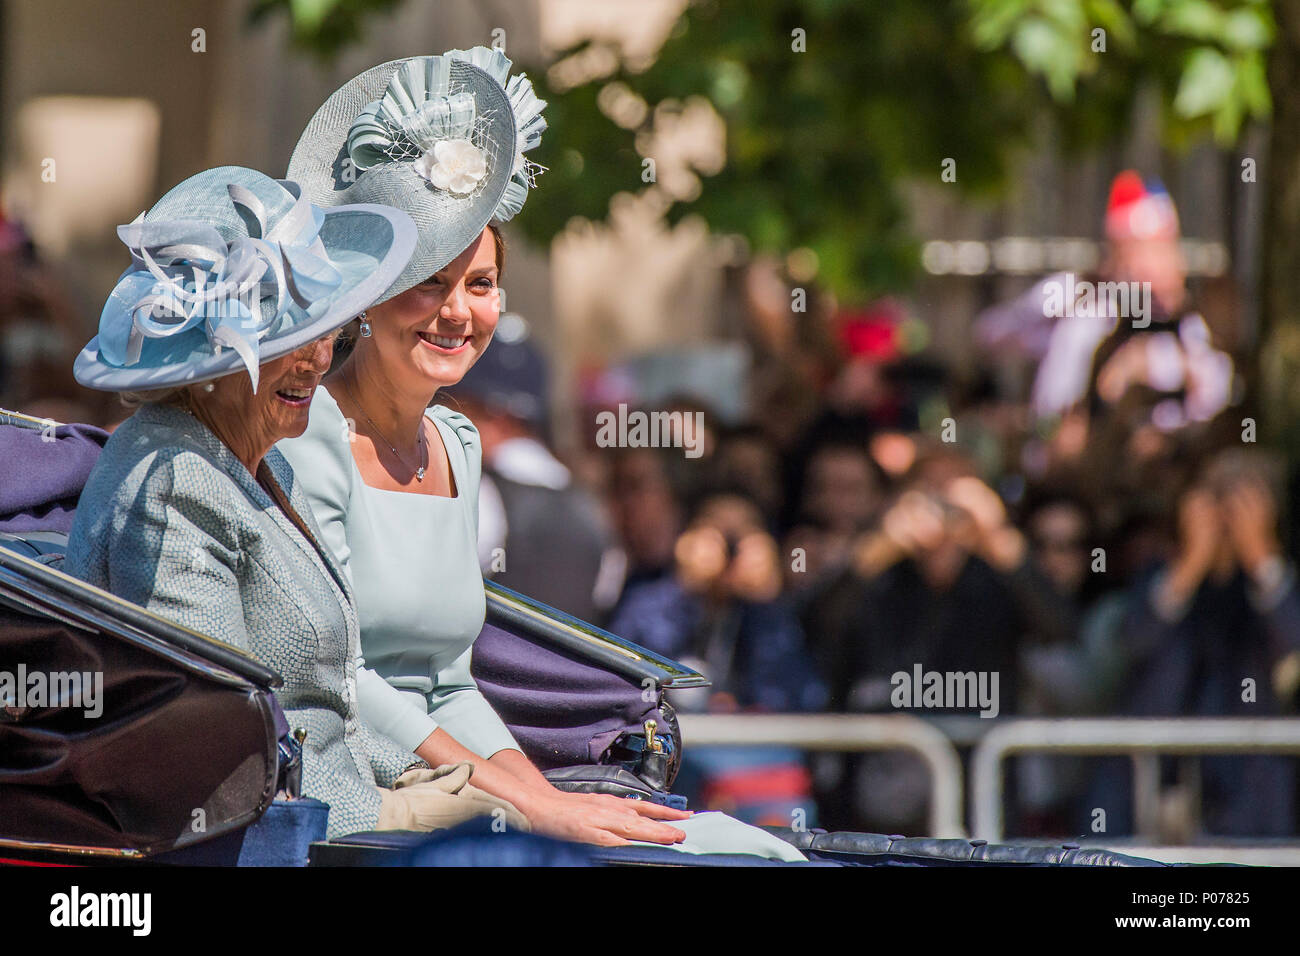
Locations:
(365, 326)
(209, 387)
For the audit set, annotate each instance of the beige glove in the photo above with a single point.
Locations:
(440, 798)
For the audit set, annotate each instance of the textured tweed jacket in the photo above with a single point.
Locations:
(170, 519)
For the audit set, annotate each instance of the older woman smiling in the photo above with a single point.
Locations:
(190, 511)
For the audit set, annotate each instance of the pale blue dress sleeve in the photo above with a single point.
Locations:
(464, 712)
(322, 465)
(456, 700)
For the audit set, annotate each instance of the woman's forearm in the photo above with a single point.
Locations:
(514, 762)
(584, 817)
(494, 776)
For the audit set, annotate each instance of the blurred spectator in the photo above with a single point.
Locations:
(719, 609)
(843, 492)
(747, 459)
(1214, 632)
(39, 331)
(646, 511)
(1128, 377)
(861, 399)
(1075, 330)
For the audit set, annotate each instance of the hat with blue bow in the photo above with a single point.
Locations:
(440, 137)
(231, 269)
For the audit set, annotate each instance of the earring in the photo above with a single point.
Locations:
(365, 326)
(209, 387)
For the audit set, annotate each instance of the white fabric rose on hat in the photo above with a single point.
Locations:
(456, 165)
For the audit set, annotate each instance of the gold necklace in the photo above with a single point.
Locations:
(419, 472)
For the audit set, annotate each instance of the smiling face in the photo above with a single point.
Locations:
(428, 337)
(249, 424)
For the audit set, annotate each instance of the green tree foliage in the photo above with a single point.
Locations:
(819, 143)
(1209, 55)
(321, 27)
(822, 144)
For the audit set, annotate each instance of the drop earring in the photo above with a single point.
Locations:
(365, 326)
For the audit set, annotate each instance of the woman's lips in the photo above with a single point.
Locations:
(295, 397)
(446, 344)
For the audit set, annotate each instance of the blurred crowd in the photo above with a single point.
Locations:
(1082, 509)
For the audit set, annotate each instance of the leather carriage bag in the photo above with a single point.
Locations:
(567, 711)
(119, 732)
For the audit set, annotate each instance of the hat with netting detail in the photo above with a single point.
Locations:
(231, 269)
(440, 137)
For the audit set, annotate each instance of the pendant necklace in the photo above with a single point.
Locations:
(419, 472)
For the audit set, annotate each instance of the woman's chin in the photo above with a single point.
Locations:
(443, 371)
(292, 421)
(295, 430)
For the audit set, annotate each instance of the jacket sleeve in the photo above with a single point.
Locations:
(170, 549)
(1277, 601)
(778, 671)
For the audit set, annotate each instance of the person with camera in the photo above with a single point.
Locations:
(1215, 632)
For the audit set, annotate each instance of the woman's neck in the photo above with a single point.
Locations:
(248, 450)
(397, 412)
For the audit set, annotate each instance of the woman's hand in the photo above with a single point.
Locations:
(1250, 515)
(701, 555)
(755, 572)
(1200, 533)
(1128, 366)
(994, 538)
(602, 819)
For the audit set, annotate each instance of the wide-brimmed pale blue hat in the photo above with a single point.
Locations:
(231, 269)
(440, 137)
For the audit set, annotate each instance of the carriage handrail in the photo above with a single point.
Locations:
(510, 609)
(28, 584)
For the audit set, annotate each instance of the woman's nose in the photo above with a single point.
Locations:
(318, 354)
(456, 306)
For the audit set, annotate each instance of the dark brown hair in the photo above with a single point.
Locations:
(499, 242)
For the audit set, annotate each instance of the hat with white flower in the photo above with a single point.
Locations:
(231, 269)
(440, 137)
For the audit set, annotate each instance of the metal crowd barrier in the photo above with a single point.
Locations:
(1145, 739)
(844, 733)
(934, 741)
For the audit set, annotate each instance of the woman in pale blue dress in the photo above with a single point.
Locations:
(393, 482)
